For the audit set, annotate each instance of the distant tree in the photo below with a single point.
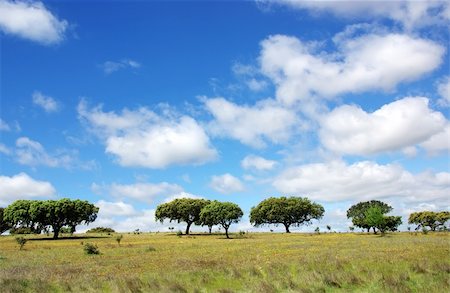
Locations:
(351, 228)
(4, 225)
(181, 210)
(391, 223)
(221, 213)
(328, 227)
(80, 212)
(19, 216)
(101, 230)
(429, 219)
(291, 211)
(358, 213)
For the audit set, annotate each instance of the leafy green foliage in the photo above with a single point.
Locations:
(181, 210)
(90, 248)
(101, 230)
(358, 213)
(38, 215)
(291, 211)
(4, 225)
(20, 230)
(429, 219)
(221, 213)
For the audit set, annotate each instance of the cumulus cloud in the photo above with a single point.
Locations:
(109, 67)
(366, 180)
(251, 125)
(4, 149)
(371, 61)
(444, 91)
(32, 153)
(144, 191)
(182, 194)
(145, 139)
(31, 20)
(22, 186)
(226, 183)
(108, 209)
(252, 162)
(440, 142)
(47, 103)
(410, 14)
(406, 122)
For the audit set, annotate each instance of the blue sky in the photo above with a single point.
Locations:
(131, 104)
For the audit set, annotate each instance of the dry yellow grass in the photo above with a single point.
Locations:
(258, 262)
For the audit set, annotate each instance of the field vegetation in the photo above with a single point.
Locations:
(250, 262)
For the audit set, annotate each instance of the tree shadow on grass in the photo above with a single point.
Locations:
(68, 238)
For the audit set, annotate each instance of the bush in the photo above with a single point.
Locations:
(90, 248)
(65, 230)
(119, 238)
(21, 241)
(150, 249)
(20, 230)
(179, 233)
(100, 230)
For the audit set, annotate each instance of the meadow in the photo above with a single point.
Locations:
(253, 262)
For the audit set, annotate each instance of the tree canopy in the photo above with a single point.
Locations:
(4, 225)
(374, 217)
(358, 213)
(40, 214)
(429, 219)
(181, 210)
(289, 211)
(221, 213)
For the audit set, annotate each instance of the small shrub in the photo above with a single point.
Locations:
(100, 230)
(424, 231)
(20, 230)
(241, 233)
(150, 249)
(90, 248)
(179, 233)
(65, 230)
(21, 241)
(317, 230)
(119, 238)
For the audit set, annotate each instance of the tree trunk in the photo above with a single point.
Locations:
(55, 232)
(287, 227)
(210, 229)
(374, 230)
(187, 228)
(368, 230)
(226, 233)
(72, 229)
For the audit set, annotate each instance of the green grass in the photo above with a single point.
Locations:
(258, 262)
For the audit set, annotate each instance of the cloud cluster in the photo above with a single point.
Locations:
(31, 20)
(109, 67)
(410, 14)
(22, 186)
(406, 122)
(145, 139)
(251, 125)
(226, 183)
(31, 153)
(144, 191)
(338, 181)
(444, 92)
(361, 63)
(47, 103)
(252, 162)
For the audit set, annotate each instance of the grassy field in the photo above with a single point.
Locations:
(259, 262)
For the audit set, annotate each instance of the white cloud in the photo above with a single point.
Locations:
(251, 125)
(226, 183)
(4, 149)
(113, 66)
(410, 14)
(444, 91)
(366, 180)
(406, 122)
(109, 209)
(31, 20)
(182, 194)
(45, 102)
(4, 126)
(257, 163)
(361, 63)
(32, 153)
(256, 85)
(440, 142)
(22, 186)
(143, 138)
(144, 191)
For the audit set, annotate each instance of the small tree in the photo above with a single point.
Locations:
(429, 219)
(351, 228)
(328, 228)
(21, 241)
(181, 210)
(358, 211)
(223, 213)
(119, 238)
(288, 211)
